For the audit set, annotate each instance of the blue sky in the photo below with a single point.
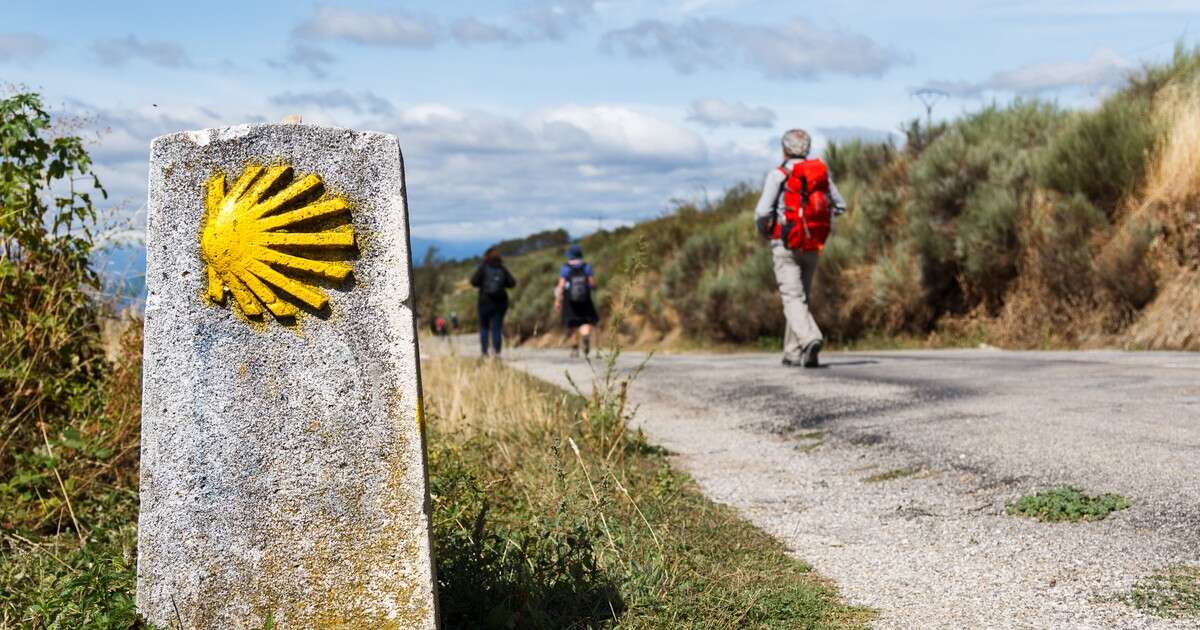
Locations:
(533, 114)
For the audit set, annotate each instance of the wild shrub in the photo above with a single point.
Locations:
(967, 189)
(741, 305)
(1103, 154)
(1124, 266)
(68, 453)
(859, 160)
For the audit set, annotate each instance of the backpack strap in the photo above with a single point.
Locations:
(786, 176)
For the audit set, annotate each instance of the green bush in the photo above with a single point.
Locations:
(1104, 154)
(859, 160)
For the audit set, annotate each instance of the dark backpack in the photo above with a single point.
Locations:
(578, 288)
(494, 281)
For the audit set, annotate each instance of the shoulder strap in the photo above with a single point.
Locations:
(783, 184)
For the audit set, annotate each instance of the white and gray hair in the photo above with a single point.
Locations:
(796, 143)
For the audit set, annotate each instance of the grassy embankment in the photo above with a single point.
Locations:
(547, 512)
(1022, 225)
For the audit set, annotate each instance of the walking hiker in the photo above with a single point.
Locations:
(573, 298)
(796, 212)
(493, 280)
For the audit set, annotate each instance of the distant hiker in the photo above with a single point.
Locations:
(454, 320)
(439, 327)
(493, 281)
(573, 298)
(796, 212)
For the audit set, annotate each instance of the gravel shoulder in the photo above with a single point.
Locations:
(793, 450)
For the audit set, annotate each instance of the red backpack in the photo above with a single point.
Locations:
(806, 217)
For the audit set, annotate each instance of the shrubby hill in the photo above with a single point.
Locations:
(1023, 225)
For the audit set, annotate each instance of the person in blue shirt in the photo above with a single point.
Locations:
(573, 298)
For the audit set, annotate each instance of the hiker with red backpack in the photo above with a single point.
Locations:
(573, 298)
(493, 280)
(795, 211)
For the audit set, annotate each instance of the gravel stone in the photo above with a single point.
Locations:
(937, 549)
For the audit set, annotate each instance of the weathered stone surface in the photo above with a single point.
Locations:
(283, 461)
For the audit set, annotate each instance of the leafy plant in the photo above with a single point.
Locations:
(1174, 593)
(1068, 504)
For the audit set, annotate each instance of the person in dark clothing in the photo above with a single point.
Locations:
(573, 298)
(493, 280)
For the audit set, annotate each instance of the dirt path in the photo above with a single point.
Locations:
(792, 449)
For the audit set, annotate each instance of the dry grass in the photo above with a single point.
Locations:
(549, 514)
(1171, 207)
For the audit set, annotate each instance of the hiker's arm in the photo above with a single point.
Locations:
(477, 277)
(839, 204)
(764, 212)
(558, 293)
(509, 280)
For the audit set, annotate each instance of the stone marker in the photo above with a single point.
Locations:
(283, 455)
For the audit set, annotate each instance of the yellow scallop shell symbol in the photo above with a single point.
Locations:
(247, 224)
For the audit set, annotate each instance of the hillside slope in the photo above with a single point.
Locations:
(1023, 225)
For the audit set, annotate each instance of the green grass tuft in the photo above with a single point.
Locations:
(891, 475)
(1067, 504)
(1174, 593)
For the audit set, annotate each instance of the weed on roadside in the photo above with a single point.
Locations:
(890, 475)
(1174, 593)
(1067, 504)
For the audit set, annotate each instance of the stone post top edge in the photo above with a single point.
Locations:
(202, 137)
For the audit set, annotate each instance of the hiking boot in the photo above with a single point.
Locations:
(790, 363)
(809, 358)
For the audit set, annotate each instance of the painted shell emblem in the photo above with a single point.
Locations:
(266, 239)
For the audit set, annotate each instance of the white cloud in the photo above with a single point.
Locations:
(362, 102)
(22, 46)
(121, 50)
(798, 49)
(714, 112)
(399, 29)
(474, 174)
(475, 31)
(313, 59)
(1104, 70)
(850, 133)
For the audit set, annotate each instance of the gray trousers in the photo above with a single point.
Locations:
(794, 273)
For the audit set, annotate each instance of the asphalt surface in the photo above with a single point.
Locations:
(792, 450)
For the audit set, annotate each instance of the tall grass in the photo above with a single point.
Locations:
(550, 513)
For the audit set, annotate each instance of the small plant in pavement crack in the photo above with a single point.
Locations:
(1174, 593)
(1067, 504)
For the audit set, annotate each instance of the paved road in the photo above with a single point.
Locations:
(791, 450)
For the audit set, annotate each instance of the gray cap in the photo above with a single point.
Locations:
(796, 143)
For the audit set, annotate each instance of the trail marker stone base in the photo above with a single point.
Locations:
(283, 456)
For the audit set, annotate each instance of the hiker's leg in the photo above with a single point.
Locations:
(808, 269)
(801, 328)
(585, 338)
(497, 331)
(484, 325)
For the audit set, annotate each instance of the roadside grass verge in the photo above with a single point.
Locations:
(550, 513)
(1067, 504)
(1174, 593)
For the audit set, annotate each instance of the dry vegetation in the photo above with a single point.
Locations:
(1023, 225)
(549, 514)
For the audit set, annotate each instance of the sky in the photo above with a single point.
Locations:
(519, 116)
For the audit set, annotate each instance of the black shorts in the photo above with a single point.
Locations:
(576, 314)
